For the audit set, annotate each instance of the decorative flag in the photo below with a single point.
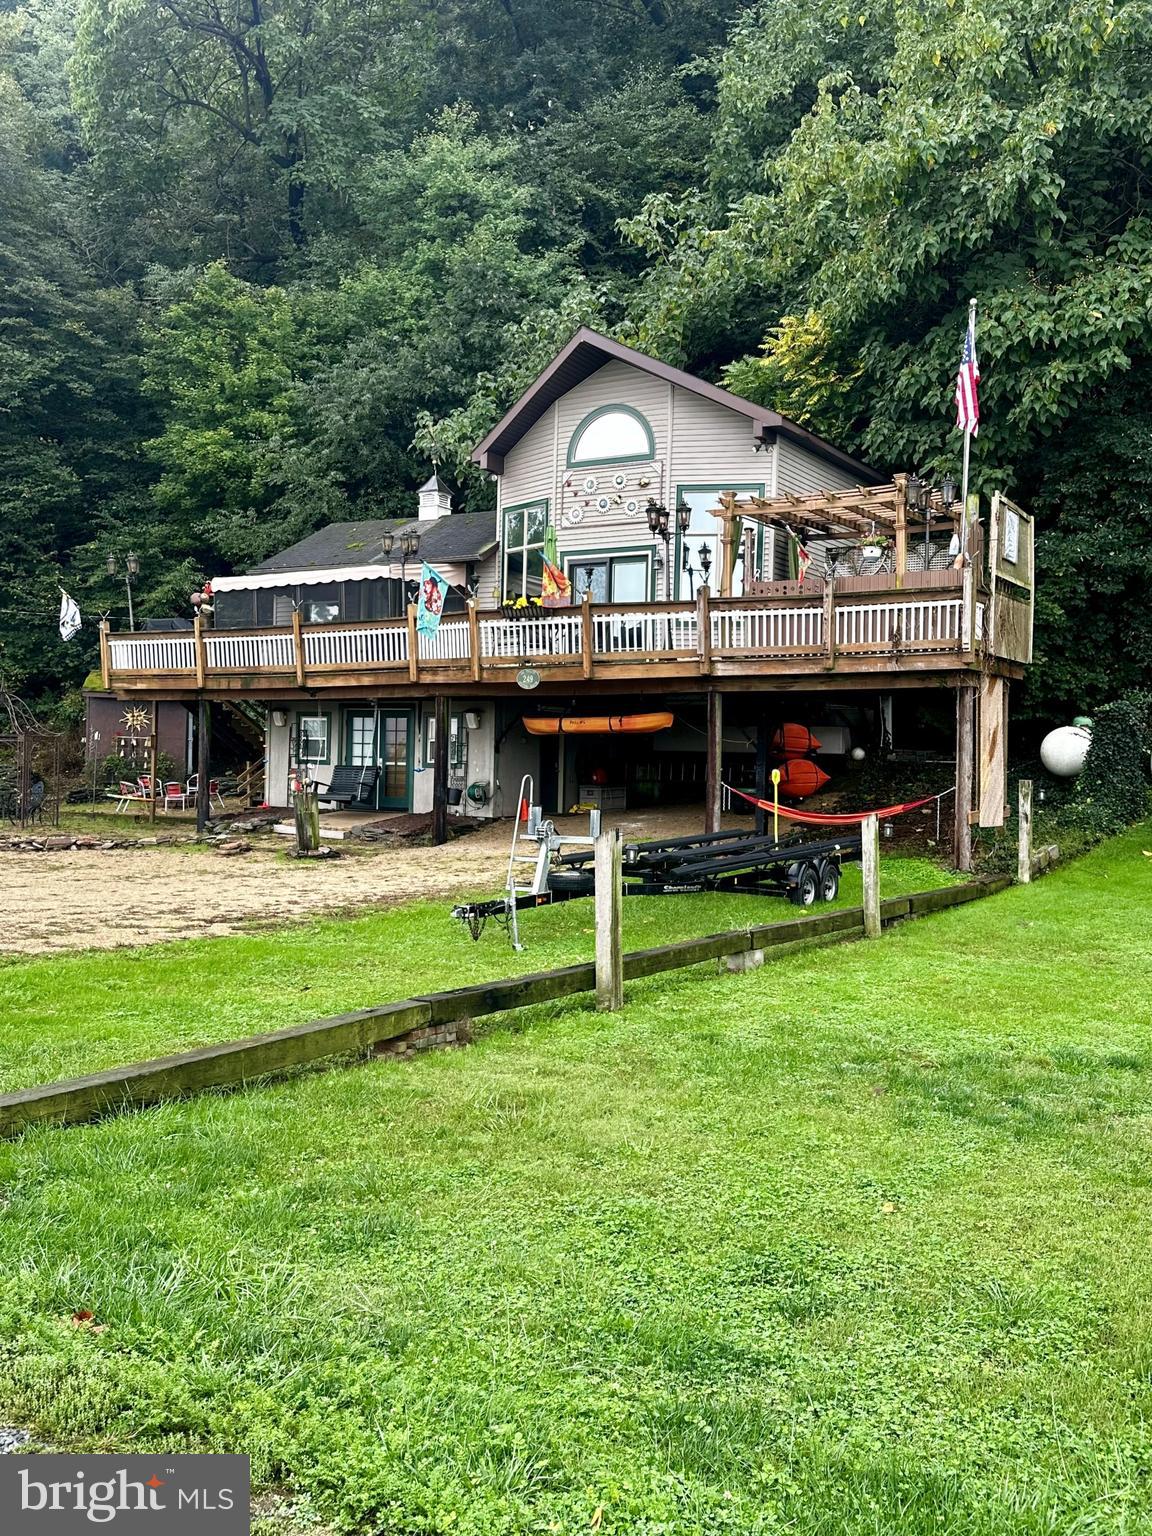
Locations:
(799, 555)
(555, 588)
(967, 395)
(69, 616)
(433, 586)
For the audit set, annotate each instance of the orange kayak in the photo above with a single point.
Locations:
(597, 725)
(800, 778)
(794, 741)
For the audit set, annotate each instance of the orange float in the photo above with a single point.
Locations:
(597, 725)
(794, 741)
(799, 778)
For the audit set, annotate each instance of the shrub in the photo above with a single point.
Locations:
(1112, 789)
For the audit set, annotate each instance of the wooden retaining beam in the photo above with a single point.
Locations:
(238, 1062)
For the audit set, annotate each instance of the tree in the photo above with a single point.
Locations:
(999, 152)
(232, 117)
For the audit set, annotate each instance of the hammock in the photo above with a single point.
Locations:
(846, 820)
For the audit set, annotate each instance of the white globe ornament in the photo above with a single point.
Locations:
(857, 754)
(1063, 751)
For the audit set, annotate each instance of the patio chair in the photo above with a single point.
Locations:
(176, 795)
(350, 786)
(215, 798)
(125, 795)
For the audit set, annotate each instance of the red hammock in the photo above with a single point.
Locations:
(833, 821)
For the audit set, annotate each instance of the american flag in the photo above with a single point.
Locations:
(967, 395)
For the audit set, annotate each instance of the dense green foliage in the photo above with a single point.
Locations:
(848, 1246)
(261, 261)
(1113, 788)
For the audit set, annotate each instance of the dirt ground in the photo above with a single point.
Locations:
(102, 900)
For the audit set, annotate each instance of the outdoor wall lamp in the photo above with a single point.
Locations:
(131, 571)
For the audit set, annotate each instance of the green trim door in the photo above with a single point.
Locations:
(383, 738)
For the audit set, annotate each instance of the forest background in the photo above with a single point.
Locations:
(261, 261)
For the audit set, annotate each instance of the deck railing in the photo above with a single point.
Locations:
(585, 641)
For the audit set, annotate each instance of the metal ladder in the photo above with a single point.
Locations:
(535, 832)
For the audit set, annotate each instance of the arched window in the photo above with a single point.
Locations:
(614, 434)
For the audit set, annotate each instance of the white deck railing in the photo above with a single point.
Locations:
(760, 629)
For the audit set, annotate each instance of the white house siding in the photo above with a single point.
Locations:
(530, 468)
(801, 473)
(696, 443)
(277, 740)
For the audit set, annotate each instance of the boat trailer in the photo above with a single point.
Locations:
(802, 869)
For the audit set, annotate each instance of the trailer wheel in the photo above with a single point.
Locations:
(805, 887)
(571, 882)
(829, 880)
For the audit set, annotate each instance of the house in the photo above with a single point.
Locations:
(726, 566)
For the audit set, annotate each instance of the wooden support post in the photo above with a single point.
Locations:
(105, 659)
(901, 482)
(993, 771)
(474, 639)
(298, 646)
(870, 857)
(153, 754)
(203, 764)
(727, 533)
(609, 865)
(829, 621)
(714, 761)
(586, 635)
(413, 646)
(306, 808)
(1024, 824)
(762, 741)
(704, 629)
(200, 649)
(440, 773)
(965, 741)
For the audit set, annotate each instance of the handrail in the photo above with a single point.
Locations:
(476, 642)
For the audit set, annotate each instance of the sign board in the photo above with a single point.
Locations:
(528, 678)
(1011, 535)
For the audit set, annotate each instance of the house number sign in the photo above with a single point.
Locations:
(528, 677)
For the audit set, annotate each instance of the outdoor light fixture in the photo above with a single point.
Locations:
(948, 492)
(912, 490)
(131, 571)
(409, 544)
(683, 516)
(705, 560)
(657, 519)
(386, 542)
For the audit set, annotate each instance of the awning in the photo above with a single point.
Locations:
(453, 574)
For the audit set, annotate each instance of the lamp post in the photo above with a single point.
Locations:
(409, 549)
(659, 525)
(131, 571)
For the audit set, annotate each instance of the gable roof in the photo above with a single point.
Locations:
(588, 351)
(459, 536)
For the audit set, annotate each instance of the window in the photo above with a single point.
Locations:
(283, 604)
(313, 734)
(609, 578)
(612, 435)
(233, 609)
(704, 529)
(524, 531)
(320, 604)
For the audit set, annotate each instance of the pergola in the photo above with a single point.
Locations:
(903, 507)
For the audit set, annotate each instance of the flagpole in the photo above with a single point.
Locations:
(967, 445)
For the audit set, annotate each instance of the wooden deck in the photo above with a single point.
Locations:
(828, 638)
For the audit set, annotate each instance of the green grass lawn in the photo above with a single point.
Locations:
(72, 1014)
(856, 1243)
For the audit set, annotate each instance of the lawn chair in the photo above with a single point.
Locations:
(215, 798)
(125, 795)
(176, 795)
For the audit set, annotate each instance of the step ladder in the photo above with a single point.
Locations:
(531, 849)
